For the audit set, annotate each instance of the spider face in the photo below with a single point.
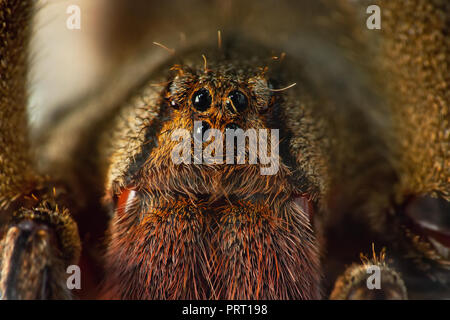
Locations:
(192, 226)
(228, 98)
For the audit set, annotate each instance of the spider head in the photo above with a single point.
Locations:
(218, 133)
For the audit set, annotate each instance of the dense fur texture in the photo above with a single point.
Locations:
(209, 231)
(364, 139)
(14, 158)
(41, 238)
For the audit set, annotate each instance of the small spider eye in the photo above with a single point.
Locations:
(173, 104)
(201, 100)
(237, 101)
(199, 131)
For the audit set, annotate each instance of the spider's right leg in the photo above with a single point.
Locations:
(41, 238)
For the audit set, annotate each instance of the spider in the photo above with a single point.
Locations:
(362, 158)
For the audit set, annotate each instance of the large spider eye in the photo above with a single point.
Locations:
(305, 204)
(201, 100)
(237, 101)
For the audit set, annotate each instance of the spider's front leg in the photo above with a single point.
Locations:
(39, 242)
(39, 238)
(372, 279)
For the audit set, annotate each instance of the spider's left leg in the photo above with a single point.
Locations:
(41, 238)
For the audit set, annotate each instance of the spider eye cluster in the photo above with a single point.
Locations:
(236, 101)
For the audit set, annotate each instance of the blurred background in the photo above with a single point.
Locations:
(67, 64)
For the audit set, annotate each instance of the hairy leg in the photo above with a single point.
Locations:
(15, 168)
(40, 238)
